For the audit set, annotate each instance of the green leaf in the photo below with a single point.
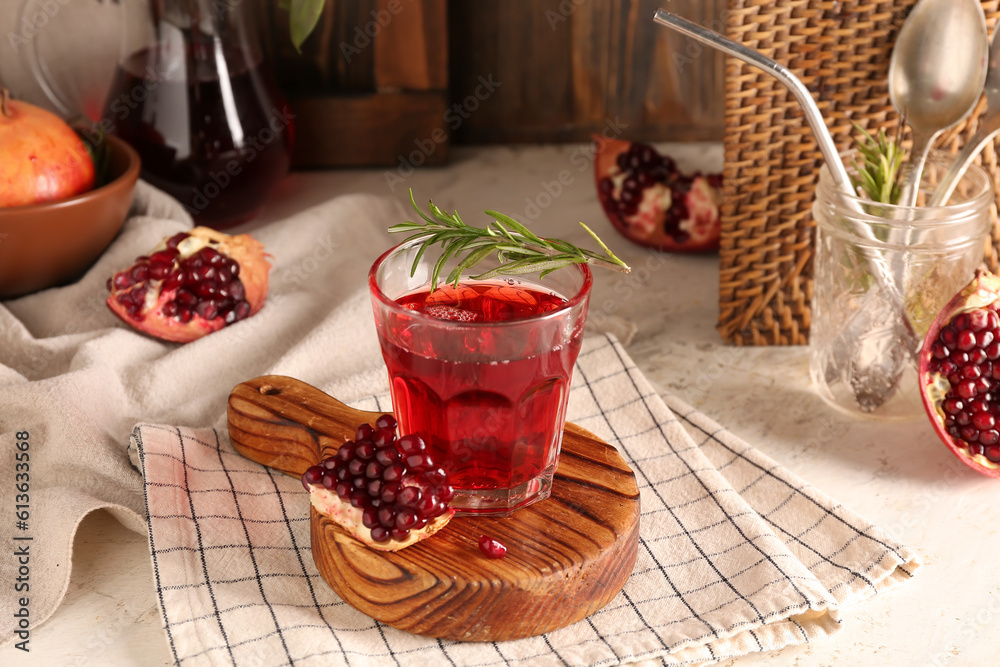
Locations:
(303, 15)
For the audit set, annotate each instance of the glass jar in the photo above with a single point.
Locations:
(192, 95)
(881, 275)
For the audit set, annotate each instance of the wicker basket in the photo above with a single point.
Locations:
(841, 51)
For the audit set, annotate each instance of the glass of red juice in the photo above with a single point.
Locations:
(481, 371)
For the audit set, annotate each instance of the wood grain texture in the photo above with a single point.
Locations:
(569, 68)
(370, 85)
(567, 556)
(403, 130)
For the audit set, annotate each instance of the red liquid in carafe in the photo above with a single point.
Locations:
(218, 144)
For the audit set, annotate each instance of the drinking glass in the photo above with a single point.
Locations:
(862, 353)
(488, 397)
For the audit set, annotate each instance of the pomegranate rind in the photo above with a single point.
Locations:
(348, 517)
(983, 290)
(254, 273)
(646, 227)
(155, 323)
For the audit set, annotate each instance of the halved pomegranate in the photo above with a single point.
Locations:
(192, 284)
(386, 492)
(960, 374)
(652, 203)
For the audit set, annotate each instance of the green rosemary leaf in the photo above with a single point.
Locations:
(515, 225)
(518, 249)
(471, 260)
(878, 172)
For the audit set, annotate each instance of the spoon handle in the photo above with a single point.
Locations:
(954, 175)
(920, 150)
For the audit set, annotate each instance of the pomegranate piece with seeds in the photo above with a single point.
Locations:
(960, 374)
(651, 202)
(191, 284)
(385, 491)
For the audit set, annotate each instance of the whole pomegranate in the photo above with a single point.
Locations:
(41, 157)
(191, 284)
(386, 492)
(960, 374)
(651, 202)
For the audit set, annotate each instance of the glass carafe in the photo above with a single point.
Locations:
(192, 95)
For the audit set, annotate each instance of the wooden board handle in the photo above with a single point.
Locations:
(288, 425)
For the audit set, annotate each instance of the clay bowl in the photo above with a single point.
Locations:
(44, 245)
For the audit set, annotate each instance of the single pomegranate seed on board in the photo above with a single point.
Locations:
(491, 547)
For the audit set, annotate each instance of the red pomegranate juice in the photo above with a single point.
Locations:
(490, 413)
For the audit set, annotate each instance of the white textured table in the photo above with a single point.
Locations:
(899, 476)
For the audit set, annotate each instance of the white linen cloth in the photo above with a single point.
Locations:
(737, 555)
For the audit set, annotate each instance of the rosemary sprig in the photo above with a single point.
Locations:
(878, 176)
(518, 249)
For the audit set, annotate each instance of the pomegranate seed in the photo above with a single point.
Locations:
(369, 518)
(394, 472)
(386, 421)
(406, 518)
(175, 240)
(390, 491)
(384, 436)
(380, 534)
(329, 481)
(978, 319)
(346, 451)
(409, 497)
(983, 421)
(419, 462)
(411, 444)
(365, 451)
(207, 310)
(364, 432)
(992, 453)
(122, 280)
(491, 548)
(990, 437)
(387, 455)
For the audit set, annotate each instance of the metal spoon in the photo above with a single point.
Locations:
(989, 125)
(936, 74)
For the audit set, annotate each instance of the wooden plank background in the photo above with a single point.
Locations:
(565, 67)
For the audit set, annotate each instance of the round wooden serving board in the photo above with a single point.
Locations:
(567, 556)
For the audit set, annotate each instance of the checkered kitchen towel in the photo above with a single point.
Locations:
(736, 555)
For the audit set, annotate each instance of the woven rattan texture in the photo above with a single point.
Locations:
(841, 51)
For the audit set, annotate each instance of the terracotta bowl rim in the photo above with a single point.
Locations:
(126, 179)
